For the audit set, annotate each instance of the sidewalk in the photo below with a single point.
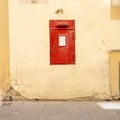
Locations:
(49, 110)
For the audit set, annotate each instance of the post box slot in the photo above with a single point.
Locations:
(62, 25)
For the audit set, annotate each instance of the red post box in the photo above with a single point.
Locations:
(62, 42)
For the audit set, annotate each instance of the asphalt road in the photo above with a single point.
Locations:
(65, 110)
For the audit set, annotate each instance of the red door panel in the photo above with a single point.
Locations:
(62, 46)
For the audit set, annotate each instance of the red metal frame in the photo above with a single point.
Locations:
(62, 54)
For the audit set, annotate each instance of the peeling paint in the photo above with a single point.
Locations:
(59, 11)
(14, 95)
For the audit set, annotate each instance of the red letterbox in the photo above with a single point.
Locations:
(62, 42)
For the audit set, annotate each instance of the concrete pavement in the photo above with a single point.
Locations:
(65, 110)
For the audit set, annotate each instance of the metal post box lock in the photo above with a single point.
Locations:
(62, 42)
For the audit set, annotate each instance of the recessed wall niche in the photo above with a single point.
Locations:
(115, 9)
(33, 1)
(115, 3)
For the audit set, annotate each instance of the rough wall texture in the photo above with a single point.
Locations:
(96, 34)
(4, 48)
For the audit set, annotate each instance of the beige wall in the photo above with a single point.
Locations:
(96, 34)
(4, 47)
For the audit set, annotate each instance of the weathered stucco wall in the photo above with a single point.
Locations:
(96, 34)
(4, 48)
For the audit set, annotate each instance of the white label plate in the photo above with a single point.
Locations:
(62, 40)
